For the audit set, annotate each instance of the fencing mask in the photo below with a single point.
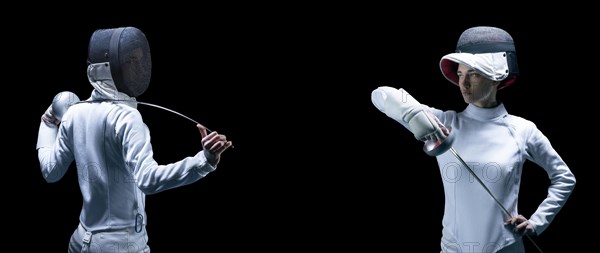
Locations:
(127, 52)
(488, 50)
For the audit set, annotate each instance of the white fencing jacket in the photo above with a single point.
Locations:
(110, 145)
(495, 145)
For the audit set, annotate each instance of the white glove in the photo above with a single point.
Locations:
(49, 118)
(402, 107)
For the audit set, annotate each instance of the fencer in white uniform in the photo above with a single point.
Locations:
(494, 143)
(110, 144)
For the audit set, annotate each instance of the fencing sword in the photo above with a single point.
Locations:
(63, 100)
(435, 148)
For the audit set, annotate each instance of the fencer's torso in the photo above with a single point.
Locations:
(111, 198)
(489, 142)
(495, 145)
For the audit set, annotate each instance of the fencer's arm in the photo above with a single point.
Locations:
(51, 118)
(53, 165)
(54, 154)
(47, 131)
(150, 177)
(406, 110)
(562, 179)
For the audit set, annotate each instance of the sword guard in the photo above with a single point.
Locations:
(435, 148)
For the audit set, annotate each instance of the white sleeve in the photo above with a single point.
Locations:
(46, 135)
(150, 177)
(562, 180)
(54, 153)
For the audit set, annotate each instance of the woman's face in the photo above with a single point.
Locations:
(475, 88)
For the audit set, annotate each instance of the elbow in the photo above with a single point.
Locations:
(52, 174)
(146, 188)
(51, 179)
(573, 180)
(149, 188)
(567, 181)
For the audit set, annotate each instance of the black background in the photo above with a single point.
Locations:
(315, 166)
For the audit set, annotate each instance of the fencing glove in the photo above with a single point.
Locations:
(402, 107)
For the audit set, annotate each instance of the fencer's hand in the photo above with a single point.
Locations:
(213, 144)
(521, 225)
(440, 133)
(49, 118)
